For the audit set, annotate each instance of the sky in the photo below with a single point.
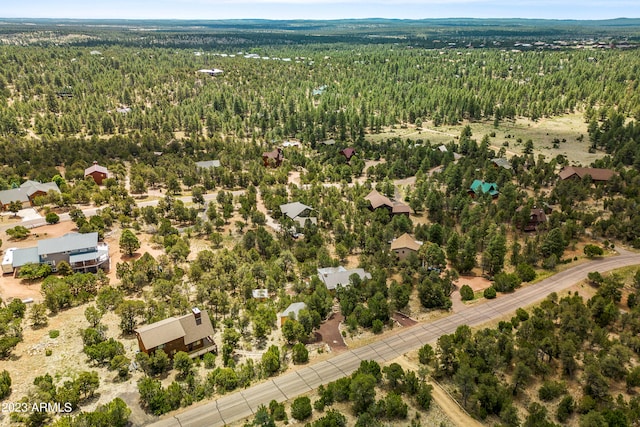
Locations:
(319, 9)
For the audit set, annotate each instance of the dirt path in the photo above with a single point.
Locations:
(451, 408)
(330, 332)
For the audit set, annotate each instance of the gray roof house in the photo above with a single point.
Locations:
(292, 311)
(334, 276)
(26, 193)
(299, 212)
(208, 164)
(83, 252)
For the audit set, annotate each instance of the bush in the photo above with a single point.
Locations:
(209, 360)
(5, 384)
(48, 352)
(377, 326)
(506, 282)
(551, 390)
(593, 251)
(300, 353)
(54, 333)
(565, 409)
(466, 293)
(301, 408)
(490, 292)
(52, 218)
(526, 272)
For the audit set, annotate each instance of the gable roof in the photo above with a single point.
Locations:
(193, 331)
(173, 328)
(405, 242)
(13, 195)
(340, 276)
(478, 186)
(275, 154)
(377, 200)
(348, 152)
(208, 164)
(293, 210)
(293, 308)
(67, 243)
(502, 162)
(32, 187)
(596, 174)
(95, 167)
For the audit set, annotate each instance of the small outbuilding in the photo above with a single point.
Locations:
(291, 312)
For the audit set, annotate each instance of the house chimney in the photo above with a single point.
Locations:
(95, 162)
(197, 315)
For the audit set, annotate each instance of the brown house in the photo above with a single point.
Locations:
(378, 201)
(536, 217)
(97, 172)
(596, 174)
(273, 158)
(348, 153)
(191, 333)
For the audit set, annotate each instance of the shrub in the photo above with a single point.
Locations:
(593, 251)
(300, 353)
(506, 282)
(526, 272)
(5, 384)
(48, 352)
(565, 409)
(377, 326)
(209, 360)
(466, 293)
(490, 292)
(301, 408)
(551, 390)
(52, 218)
(54, 333)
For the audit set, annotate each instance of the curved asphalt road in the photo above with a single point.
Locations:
(243, 404)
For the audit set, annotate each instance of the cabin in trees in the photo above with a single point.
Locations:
(298, 212)
(501, 162)
(291, 312)
(405, 245)
(596, 174)
(97, 172)
(273, 158)
(537, 216)
(26, 193)
(191, 333)
(82, 252)
(208, 164)
(377, 201)
(348, 153)
(332, 277)
(479, 187)
(260, 294)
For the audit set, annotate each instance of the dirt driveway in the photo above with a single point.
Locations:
(330, 332)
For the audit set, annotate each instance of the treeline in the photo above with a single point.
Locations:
(73, 92)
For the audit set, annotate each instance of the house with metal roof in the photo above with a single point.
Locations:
(97, 172)
(26, 193)
(191, 333)
(501, 162)
(299, 212)
(208, 164)
(291, 312)
(332, 277)
(83, 252)
(479, 187)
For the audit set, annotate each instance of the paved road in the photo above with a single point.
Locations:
(243, 404)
